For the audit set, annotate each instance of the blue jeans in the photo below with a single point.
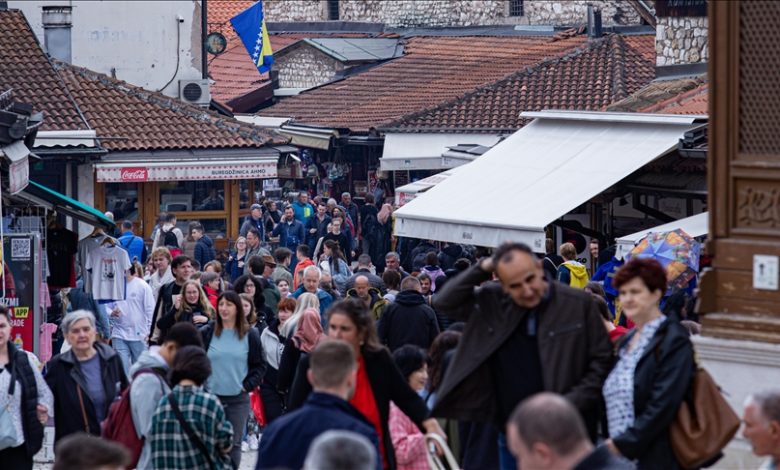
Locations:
(506, 460)
(129, 351)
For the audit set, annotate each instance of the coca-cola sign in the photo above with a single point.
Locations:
(131, 175)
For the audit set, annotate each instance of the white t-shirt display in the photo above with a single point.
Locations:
(135, 318)
(107, 265)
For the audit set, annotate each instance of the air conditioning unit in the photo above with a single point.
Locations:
(195, 91)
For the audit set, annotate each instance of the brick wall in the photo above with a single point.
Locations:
(410, 13)
(681, 40)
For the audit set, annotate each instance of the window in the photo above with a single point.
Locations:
(184, 196)
(333, 10)
(515, 7)
(122, 200)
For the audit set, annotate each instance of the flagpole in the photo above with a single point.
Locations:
(203, 35)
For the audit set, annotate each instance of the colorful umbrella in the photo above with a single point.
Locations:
(677, 252)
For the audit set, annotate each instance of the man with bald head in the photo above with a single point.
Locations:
(546, 432)
(370, 296)
(524, 335)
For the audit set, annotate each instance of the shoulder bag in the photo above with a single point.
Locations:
(189, 431)
(705, 423)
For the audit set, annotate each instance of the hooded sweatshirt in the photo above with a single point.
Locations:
(145, 392)
(408, 320)
(204, 251)
(573, 274)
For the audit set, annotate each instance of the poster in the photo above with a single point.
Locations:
(20, 277)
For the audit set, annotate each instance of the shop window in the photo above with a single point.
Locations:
(122, 200)
(245, 197)
(215, 228)
(185, 196)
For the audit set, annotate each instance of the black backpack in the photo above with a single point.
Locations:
(170, 240)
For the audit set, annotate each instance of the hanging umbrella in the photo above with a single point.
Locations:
(677, 252)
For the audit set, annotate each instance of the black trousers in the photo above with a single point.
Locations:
(15, 458)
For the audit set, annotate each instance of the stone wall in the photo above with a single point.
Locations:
(294, 10)
(427, 13)
(305, 67)
(681, 40)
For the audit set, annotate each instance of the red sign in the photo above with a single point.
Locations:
(134, 175)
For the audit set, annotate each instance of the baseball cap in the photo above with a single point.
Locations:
(256, 206)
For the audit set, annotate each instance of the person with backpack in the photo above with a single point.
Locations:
(571, 272)
(130, 418)
(24, 396)
(170, 236)
(190, 428)
(134, 245)
(432, 268)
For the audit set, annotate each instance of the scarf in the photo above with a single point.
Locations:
(309, 332)
(384, 213)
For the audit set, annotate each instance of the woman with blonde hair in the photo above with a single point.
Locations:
(308, 334)
(192, 305)
(305, 301)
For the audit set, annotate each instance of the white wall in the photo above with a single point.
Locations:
(135, 38)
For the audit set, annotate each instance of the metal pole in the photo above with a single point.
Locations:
(203, 34)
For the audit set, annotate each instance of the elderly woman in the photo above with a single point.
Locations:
(85, 379)
(653, 373)
(25, 396)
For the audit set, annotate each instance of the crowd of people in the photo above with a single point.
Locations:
(318, 346)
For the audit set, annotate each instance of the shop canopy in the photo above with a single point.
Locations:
(556, 163)
(695, 226)
(432, 151)
(407, 192)
(41, 195)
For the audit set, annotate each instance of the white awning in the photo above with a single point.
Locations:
(417, 151)
(314, 137)
(83, 138)
(540, 173)
(407, 192)
(695, 226)
(187, 170)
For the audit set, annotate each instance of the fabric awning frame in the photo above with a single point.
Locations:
(35, 193)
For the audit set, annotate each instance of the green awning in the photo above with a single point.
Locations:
(69, 206)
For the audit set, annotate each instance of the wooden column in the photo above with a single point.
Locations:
(744, 169)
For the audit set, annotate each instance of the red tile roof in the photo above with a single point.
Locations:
(26, 68)
(687, 95)
(221, 11)
(435, 70)
(129, 118)
(589, 78)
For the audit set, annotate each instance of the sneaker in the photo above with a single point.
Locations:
(244, 446)
(253, 444)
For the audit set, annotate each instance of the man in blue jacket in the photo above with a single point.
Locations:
(333, 376)
(134, 245)
(204, 247)
(290, 232)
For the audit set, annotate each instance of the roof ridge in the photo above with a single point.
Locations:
(618, 47)
(244, 130)
(678, 98)
(527, 70)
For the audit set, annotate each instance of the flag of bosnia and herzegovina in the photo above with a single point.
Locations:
(250, 27)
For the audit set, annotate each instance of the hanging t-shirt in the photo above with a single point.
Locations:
(61, 246)
(85, 247)
(107, 265)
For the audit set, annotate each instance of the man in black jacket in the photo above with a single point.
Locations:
(181, 268)
(523, 336)
(408, 320)
(364, 269)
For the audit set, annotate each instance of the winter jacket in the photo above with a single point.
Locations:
(303, 212)
(204, 251)
(64, 378)
(22, 373)
(573, 346)
(146, 390)
(342, 276)
(235, 266)
(433, 272)
(254, 358)
(169, 319)
(408, 441)
(408, 320)
(661, 381)
(290, 234)
(325, 301)
(282, 272)
(135, 247)
(286, 441)
(321, 227)
(387, 383)
(80, 300)
(574, 274)
(377, 303)
(250, 223)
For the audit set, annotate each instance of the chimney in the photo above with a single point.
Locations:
(594, 22)
(57, 22)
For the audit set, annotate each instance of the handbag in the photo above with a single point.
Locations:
(189, 431)
(705, 423)
(434, 460)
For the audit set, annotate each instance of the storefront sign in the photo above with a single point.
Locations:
(20, 279)
(214, 170)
